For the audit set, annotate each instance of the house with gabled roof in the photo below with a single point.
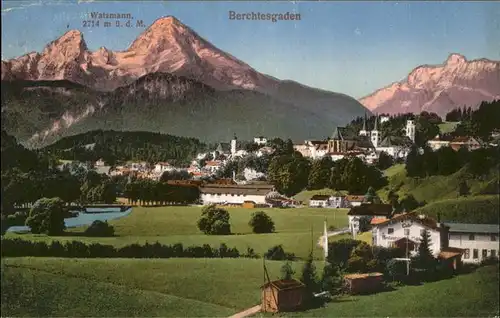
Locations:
(439, 141)
(354, 200)
(367, 211)
(479, 241)
(467, 142)
(319, 201)
(337, 200)
(395, 146)
(406, 229)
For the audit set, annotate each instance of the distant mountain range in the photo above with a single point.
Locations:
(169, 80)
(439, 89)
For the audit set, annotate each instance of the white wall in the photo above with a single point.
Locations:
(208, 198)
(317, 203)
(337, 202)
(384, 239)
(481, 242)
(435, 145)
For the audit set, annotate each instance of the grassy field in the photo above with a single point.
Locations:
(170, 225)
(448, 126)
(212, 287)
(434, 188)
(478, 209)
(471, 295)
(132, 287)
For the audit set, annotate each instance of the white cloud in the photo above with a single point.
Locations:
(21, 5)
(357, 31)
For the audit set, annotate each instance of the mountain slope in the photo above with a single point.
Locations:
(439, 89)
(170, 47)
(158, 103)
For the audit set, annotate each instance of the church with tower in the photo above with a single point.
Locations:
(345, 141)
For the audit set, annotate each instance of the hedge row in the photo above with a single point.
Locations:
(76, 249)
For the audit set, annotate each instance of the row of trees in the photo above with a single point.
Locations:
(147, 191)
(76, 249)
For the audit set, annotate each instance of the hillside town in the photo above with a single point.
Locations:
(390, 200)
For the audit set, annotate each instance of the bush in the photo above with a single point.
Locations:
(251, 253)
(214, 221)
(340, 251)
(396, 270)
(100, 229)
(261, 223)
(490, 260)
(277, 253)
(47, 216)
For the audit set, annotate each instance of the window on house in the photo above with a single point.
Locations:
(467, 253)
(422, 232)
(493, 253)
(484, 253)
(493, 237)
(407, 231)
(390, 231)
(475, 253)
(471, 237)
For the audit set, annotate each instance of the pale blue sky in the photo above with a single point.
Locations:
(349, 47)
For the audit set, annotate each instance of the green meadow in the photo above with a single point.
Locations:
(296, 229)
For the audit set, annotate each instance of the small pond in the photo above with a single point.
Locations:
(84, 218)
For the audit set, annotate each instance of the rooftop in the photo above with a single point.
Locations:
(284, 284)
(473, 228)
(355, 197)
(449, 252)
(361, 276)
(320, 197)
(422, 219)
(371, 209)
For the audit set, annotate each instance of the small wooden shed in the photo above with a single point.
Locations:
(363, 283)
(282, 295)
(452, 257)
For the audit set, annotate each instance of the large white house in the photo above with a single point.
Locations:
(406, 230)
(235, 194)
(479, 241)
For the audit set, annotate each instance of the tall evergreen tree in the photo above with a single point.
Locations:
(424, 259)
(309, 278)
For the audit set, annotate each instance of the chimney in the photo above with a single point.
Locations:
(439, 218)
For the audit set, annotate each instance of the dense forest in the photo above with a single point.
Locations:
(478, 123)
(118, 146)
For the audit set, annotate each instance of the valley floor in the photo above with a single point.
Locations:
(212, 288)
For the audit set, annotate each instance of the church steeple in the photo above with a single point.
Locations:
(375, 136)
(363, 131)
